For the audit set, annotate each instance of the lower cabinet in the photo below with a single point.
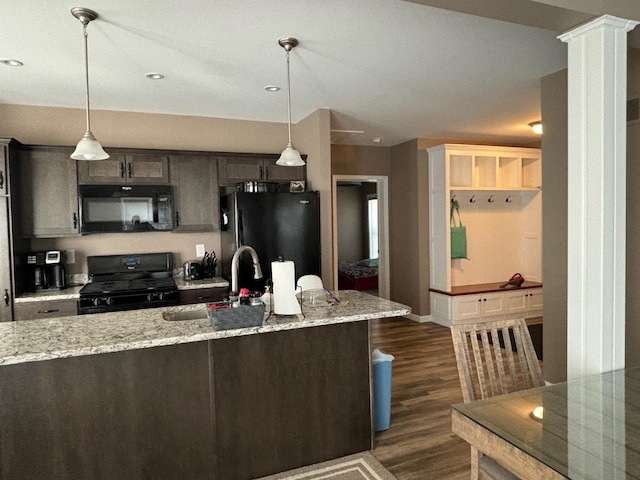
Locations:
(451, 309)
(45, 309)
(201, 295)
(227, 409)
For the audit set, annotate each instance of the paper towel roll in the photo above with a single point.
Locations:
(283, 276)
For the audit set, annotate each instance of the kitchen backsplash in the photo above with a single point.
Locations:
(182, 245)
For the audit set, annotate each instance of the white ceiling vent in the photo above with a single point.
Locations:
(633, 110)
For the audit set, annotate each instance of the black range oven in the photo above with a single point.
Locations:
(128, 282)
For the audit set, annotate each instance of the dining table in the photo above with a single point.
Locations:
(587, 428)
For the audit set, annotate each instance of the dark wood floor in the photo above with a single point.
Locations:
(419, 443)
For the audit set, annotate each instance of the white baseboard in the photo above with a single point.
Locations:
(428, 318)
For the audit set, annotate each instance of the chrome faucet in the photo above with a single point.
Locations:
(257, 271)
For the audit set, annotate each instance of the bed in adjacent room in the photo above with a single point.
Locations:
(362, 275)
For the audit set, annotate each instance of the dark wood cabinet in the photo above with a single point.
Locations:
(49, 193)
(202, 295)
(135, 414)
(122, 167)
(45, 309)
(6, 284)
(233, 170)
(227, 409)
(291, 398)
(195, 193)
(12, 247)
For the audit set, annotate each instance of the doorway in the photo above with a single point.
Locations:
(360, 220)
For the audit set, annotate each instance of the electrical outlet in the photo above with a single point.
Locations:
(200, 250)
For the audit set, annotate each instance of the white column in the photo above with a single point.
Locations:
(597, 86)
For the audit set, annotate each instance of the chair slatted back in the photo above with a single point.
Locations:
(495, 358)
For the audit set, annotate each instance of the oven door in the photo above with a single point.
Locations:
(125, 208)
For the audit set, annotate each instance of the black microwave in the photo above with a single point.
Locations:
(125, 208)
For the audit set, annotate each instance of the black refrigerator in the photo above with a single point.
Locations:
(276, 225)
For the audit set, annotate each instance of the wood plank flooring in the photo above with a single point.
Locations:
(419, 443)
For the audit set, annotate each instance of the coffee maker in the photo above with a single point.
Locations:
(46, 270)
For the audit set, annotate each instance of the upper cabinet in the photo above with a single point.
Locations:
(48, 193)
(138, 168)
(233, 170)
(479, 167)
(195, 193)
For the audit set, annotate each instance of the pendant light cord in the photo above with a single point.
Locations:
(86, 71)
(289, 95)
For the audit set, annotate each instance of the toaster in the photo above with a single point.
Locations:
(192, 270)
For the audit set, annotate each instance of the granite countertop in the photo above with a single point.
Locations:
(69, 293)
(73, 292)
(35, 340)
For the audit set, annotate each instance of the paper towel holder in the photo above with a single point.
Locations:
(283, 280)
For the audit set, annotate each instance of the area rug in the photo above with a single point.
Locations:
(360, 466)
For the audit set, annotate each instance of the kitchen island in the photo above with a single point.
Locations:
(131, 395)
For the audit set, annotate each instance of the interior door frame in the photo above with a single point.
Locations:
(382, 189)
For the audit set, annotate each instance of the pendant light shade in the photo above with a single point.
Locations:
(290, 157)
(88, 147)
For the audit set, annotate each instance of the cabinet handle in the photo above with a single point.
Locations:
(266, 177)
(53, 310)
(6, 297)
(75, 220)
(177, 218)
(121, 169)
(1, 180)
(129, 168)
(261, 173)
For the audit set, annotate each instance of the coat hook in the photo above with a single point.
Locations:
(508, 200)
(472, 199)
(490, 199)
(453, 199)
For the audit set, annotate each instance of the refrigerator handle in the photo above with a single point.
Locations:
(240, 229)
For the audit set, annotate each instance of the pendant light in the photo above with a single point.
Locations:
(290, 156)
(88, 147)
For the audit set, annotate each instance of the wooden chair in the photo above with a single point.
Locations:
(488, 365)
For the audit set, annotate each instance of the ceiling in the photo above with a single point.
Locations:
(391, 69)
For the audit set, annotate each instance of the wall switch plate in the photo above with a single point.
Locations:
(69, 257)
(200, 250)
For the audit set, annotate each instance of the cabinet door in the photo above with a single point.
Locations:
(111, 170)
(150, 169)
(278, 173)
(534, 299)
(195, 191)
(242, 169)
(6, 290)
(516, 302)
(492, 304)
(4, 173)
(466, 307)
(49, 194)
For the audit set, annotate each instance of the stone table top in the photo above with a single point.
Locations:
(36, 340)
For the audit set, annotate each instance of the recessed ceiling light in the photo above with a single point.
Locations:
(154, 76)
(376, 140)
(271, 88)
(10, 62)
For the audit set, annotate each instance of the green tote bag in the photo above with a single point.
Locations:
(458, 233)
